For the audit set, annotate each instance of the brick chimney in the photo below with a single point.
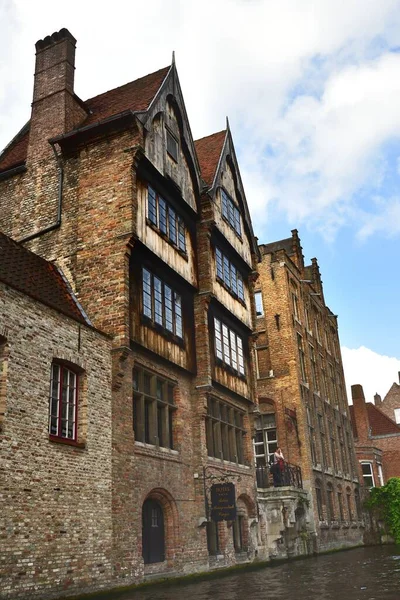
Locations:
(377, 400)
(55, 108)
(360, 412)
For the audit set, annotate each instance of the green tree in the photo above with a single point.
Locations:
(385, 503)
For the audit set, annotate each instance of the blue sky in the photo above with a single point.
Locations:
(312, 91)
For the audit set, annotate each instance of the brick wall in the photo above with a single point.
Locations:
(56, 504)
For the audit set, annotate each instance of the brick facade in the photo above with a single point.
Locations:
(377, 437)
(78, 195)
(57, 526)
(301, 381)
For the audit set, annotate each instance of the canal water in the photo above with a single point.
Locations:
(362, 574)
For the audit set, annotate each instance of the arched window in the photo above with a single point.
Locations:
(340, 502)
(153, 535)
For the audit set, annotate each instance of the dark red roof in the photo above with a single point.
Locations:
(379, 423)
(208, 152)
(136, 96)
(16, 153)
(36, 277)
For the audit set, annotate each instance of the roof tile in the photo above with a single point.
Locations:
(136, 96)
(209, 150)
(34, 276)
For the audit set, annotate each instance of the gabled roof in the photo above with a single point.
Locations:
(209, 151)
(34, 276)
(135, 96)
(379, 423)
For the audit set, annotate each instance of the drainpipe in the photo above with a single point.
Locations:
(57, 224)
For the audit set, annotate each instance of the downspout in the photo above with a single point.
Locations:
(57, 224)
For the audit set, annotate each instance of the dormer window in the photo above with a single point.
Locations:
(172, 146)
(231, 213)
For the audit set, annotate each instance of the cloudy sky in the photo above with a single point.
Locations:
(312, 91)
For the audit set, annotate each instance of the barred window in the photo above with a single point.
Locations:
(229, 275)
(63, 402)
(153, 408)
(224, 431)
(228, 346)
(230, 212)
(165, 218)
(161, 304)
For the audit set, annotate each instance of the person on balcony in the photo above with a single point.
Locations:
(277, 467)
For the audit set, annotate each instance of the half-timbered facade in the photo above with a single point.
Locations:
(154, 235)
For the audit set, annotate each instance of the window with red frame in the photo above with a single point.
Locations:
(63, 402)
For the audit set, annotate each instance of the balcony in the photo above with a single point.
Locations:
(289, 476)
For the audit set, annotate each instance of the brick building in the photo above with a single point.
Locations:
(390, 405)
(153, 233)
(301, 390)
(55, 464)
(377, 437)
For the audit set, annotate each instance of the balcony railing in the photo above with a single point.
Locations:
(289, 475)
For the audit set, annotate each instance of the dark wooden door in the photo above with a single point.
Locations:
(153, 541)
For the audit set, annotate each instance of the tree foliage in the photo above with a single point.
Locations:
(385, 502)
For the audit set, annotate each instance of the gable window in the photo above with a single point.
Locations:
(229, 275)
(153, 408)
(224, 431)
(172, 145)
(259, 304)
(368, 474)
(228, 347)
(165, 218)
(161, 304)
(63, 402)
(397, 415)
(230, 212)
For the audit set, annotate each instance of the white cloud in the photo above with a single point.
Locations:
(313, 84)
(375, 372)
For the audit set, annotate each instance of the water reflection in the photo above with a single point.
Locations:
(361, 574)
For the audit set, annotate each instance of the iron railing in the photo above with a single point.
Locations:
(289, 475)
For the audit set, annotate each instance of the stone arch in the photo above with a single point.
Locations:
(170, 518)
(245, 513)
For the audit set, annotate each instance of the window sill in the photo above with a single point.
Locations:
(165, 237)
(229, 369)
(228, 289)
(162, 331)
(67, 442)
(159, 451)
(214, 460)
(238, 235)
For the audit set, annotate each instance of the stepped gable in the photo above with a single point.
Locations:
(209, 151)
(34, 276)
(135, 96)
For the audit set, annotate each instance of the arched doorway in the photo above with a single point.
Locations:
(153, 535)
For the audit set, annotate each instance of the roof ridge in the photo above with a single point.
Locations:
(211, 135)
(124, 85)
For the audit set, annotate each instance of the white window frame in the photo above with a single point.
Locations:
(259, 303)
(368, 462)
(397, 415)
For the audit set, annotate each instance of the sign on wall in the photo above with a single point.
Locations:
(223, 502)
